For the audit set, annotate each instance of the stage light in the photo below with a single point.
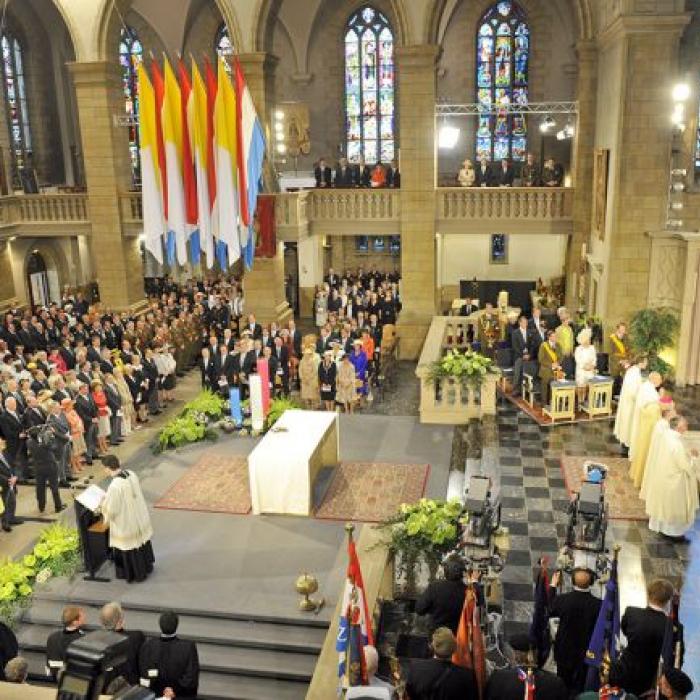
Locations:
(561, 135)
(281, 148)
(448, 136)
(679, 172)
(547, 124)
(570, 131)
(676, 206)
(681, 92)
(279, 128)
(678, 186)
(279, 115)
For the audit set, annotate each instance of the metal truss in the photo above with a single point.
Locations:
(478, 109)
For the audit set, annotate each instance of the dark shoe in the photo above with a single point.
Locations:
(72, 478)
(676, 540)
(62, 507)
(41, 510)
(16, 521)
(88, 462)
(6, 528)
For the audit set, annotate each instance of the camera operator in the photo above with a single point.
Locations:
(577, 612)
(443, 600)
(42, 455)
(508, 683)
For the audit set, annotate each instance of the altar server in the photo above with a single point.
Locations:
(648, 393)
(672, 508)
(125, 512)
(625, 407)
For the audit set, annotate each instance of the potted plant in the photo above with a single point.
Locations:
(651, 332)
(466, 366)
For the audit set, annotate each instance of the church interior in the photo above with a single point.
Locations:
(321, 317)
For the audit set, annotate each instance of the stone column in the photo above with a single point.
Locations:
(650, 51)
(310, 255)
(116, 258)
(582, 164)
(417, 89)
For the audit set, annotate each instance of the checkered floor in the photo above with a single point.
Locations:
(525, 466)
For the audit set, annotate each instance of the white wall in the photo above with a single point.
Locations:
(529, 256)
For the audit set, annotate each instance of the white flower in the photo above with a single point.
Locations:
(43, 576)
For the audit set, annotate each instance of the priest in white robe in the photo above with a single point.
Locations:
(656, 454)
(648, 393)
(125, 511)
(672, 509)
(625, 407)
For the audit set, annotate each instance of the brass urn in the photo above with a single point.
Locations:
(306, 585)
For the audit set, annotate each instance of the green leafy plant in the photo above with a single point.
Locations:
(192, 425)
(422, 532)
(206, 402)
(651, 332)
(56, 553)
(277, 408)
(468, 366)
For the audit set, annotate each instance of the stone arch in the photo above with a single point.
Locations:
(54, 258)
(203, 24)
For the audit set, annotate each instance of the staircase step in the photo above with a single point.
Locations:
(266, 663)
(212, 685)
(213, 630)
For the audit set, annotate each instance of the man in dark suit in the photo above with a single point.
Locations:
(34, 415)
(61, 430)
(323, 174)
(295, 338)
(68, 354)
(280, 353)
(644, 629)
(207, 369)
(577, 612)
(114, 403)
(112, 620)
(484, 174)
(254, 327)
(168, 663)
(505, 174)
(223, 370)
(43, 459)
(60, 390)
(94, 352)
(505, 684)
(12, 430)
(87, 410)
(538, 329)
(362, 174)
(8, 490)
(470, 306)
(443, 599)
(343, 174)
(522, 346)
(57, 644)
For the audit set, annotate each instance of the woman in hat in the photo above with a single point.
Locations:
(77, 429)
(360, 361)
(103, 429)
(346, 394)
(585, 357)
(327, 374)
(308, 376)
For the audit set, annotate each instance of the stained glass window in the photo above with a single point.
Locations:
(130, 55)
(502, 66)
(16, 102)
(369, 87)
(223, 45)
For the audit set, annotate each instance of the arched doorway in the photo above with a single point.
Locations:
(41, 281)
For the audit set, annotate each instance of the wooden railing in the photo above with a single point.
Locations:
(451, 401)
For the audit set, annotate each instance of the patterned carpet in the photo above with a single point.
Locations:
(370, 492)
(621, 496)
(215, 484)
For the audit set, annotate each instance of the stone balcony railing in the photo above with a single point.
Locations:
(45, 214)
(450, 401)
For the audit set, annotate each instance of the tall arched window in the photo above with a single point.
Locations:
(16, 101)
(369, 87)
(223, 45)
(130, 55)
(502, 63)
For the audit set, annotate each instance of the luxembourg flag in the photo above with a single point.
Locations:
(226, 204)
(153, 219)
(251, 155)
(354, 629)
(188, 175)
(172, 137)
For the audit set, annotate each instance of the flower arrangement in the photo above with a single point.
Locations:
(207, 403)
(56, 553)
(192, 425)
(468, 366)
(423, 532)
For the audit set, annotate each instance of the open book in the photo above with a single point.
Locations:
(91, 498)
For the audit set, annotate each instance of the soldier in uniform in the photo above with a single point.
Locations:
(488, 331)
(549, 358)
(619, 359)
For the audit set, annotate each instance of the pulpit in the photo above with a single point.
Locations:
(562, 404)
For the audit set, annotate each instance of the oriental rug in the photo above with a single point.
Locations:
(535, 412)
(371, 492)
(216, 483)
(621, 496)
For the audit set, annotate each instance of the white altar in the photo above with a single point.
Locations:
(284, 464)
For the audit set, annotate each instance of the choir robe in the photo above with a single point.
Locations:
(672, 507)
(647, 394)
(125, 512)
(650, 481)
(649, 417)
(625, 407)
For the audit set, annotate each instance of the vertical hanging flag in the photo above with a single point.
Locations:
(188, 175)
(151, 176)
(173, 140)
(159, 91)
(251, 155)
(226, 203)
(212, 89)
(201, 145)
(470, 652)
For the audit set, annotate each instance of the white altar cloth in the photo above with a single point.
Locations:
(284, 464)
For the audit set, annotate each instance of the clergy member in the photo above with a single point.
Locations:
(125, 512)
(656, 453)
(672, 509)
(649, 416)
(648, 393)
(625, 407)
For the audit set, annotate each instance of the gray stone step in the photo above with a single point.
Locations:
(212, 686)
(214, 630)
(265, 663)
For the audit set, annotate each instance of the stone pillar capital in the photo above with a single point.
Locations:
(260, 60)
(627, 25)
(417, 56)
(586, 51)
(105, 73)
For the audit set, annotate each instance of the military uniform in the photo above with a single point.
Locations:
(619, 352)
(546, 357)
(488, 334)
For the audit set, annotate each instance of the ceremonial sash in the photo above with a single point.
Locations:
(619, 345)
(552, 354)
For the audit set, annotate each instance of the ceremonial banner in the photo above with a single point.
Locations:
(263, 369)
(188, 174)
(266, 244)
(234, 402)
(256, 405)
(202, 141)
